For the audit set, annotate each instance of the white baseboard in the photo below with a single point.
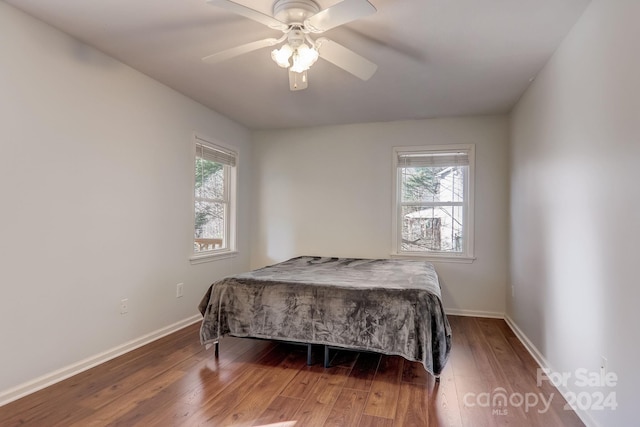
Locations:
(544, 364)
(532, 349)
(51, 378)
(474, 313)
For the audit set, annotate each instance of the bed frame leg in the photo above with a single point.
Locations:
(309, 355)
(216, 349)
(326, 356)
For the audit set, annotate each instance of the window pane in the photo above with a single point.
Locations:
(209, 179)
(209, 226)
(433, 184)
(432, 229)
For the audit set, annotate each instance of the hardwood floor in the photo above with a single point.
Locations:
(176, 382)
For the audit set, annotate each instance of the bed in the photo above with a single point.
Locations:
(388, 306)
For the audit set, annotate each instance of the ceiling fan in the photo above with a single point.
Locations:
(297, 19)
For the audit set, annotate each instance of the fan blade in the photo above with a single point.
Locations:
(241, 10)
(339, 14)
(346, 59)
(239, 50)
(298, 81)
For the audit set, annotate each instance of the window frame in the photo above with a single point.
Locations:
(467, 255)
(230, 174)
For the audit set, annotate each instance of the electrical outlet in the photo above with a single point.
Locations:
(124, 306)
(179, 290)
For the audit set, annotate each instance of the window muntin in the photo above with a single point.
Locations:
(214, 199)
(433, 214)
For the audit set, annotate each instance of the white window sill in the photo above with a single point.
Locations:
(435, 258)
(211, 256)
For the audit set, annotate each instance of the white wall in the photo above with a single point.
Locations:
(327, 191)
(575, 205)
(96, 193)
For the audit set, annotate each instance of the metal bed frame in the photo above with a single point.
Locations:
(327, 363)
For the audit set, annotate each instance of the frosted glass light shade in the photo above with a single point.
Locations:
(281, 56)
(303, 58)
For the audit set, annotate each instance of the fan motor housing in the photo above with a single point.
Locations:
(294, 11)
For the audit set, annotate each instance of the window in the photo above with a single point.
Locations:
(433, 201)
(214, 207)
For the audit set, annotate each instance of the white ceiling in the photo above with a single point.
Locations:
(435, 57)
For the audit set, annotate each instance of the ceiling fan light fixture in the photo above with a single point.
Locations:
(303, 58)
(281, 56)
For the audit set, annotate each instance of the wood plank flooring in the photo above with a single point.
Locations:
(174, 381)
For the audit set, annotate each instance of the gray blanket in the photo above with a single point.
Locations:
(382, 305)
